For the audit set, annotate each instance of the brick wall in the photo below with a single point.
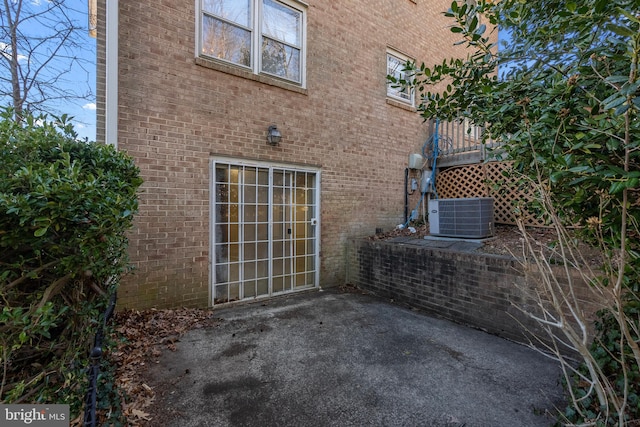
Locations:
(176, 112)
(480, 290)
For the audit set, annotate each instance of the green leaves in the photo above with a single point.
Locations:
(620, 30)
(563, 101)
(613, 101)
(563, 96)
(40, 232)
(65, 206)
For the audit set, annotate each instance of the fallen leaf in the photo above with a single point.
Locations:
(139, 414)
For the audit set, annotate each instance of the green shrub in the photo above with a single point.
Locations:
(65, 205)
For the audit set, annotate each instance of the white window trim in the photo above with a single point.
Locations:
(256, 30)
(111, 74)
(390, 91)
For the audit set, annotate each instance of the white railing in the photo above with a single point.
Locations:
(458, 137)
(461, 139)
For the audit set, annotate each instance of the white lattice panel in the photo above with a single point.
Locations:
(491, 179)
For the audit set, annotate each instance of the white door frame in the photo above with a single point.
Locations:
(213, 252)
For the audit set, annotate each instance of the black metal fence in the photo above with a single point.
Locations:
(90, 417)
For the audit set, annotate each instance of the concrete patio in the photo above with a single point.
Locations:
(345, 359)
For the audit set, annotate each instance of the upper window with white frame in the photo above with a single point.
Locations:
(396, 63)
(265, 36)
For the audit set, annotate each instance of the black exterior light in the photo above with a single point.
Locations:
(273, 135)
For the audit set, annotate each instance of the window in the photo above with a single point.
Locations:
(395, 65)
(265, 36)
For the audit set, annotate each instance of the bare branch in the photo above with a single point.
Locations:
(37, 61)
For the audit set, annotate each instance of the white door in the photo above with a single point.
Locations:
(264, 230)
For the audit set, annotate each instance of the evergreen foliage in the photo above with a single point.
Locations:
(563, 97)
(65, 205)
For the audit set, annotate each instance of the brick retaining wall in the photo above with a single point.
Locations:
(476, 289)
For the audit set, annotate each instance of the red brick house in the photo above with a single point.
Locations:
(266, 134)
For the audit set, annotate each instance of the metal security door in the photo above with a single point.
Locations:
(264, 229)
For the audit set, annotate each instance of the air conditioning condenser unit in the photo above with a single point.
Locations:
(470, 218)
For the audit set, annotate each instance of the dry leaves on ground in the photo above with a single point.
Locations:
(145, 334)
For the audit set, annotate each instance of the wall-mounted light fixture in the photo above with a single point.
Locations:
(273, 135)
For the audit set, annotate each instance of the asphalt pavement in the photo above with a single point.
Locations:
(327, 358)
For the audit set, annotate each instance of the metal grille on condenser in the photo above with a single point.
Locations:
(490, 180)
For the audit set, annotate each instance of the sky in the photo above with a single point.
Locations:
(80, 79)
(84, 112)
